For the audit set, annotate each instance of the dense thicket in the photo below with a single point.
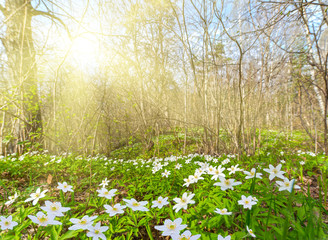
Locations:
(93, 76)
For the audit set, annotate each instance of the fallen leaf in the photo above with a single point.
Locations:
(49, 179)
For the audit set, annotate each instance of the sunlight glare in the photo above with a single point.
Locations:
(85, 50)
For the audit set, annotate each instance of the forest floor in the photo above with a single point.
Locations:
(279, 193)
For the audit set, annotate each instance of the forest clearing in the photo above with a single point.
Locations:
(163, 119)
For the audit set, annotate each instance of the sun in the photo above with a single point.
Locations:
(85, 50)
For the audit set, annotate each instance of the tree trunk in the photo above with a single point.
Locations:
(19, 47)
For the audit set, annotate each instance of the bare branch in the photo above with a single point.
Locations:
(305, 3)
(53, 17)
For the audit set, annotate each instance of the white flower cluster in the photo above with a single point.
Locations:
(173, 228)
(300, 152)
(54, 210)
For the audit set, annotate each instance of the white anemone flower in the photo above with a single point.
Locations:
(224, 238)
(171, 228)
(189, 180)
(135, 205)
(11, 199)
(252, 174)
(234, 169)
(55, 208)
(7, 223)
(113, 210)
(200, 171)
(186, 235)
(166, 173)
(197, 176)
(183, 201)
(223, 211)
(218, 172)
(178, 166)
(226, 183)
(274, 172)
(64, 187)
(104, 183)
(247, 202)
(250, 231)
(160, 202)
(83, 223)
(44, 220)
(287, 185)
(97, 231)
(225, 161)
(35, 197)
(210, 170)
(107, 194)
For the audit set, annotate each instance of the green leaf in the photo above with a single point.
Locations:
(70, 234)
(53, 233)
(10, 237)
(150, 234)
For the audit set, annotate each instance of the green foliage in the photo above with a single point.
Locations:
(278, 214)
(163, 146)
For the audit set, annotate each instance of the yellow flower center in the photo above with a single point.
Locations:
(159, 201)
(226, 182)
(136, 204)
(54, 207)
(275, 171)
(287, 184)
(65, 186)
(246, 201)
(171, 226)
(82, 221)
(37, 195)
(42, 219)
(223, 211)
(115, 209)
(252, 173)
(7, 223)
(106, 193)
(97, 231)
(184, 238)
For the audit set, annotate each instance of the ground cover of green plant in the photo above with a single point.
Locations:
(166, 145)
(300, 214)
(163, 145)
